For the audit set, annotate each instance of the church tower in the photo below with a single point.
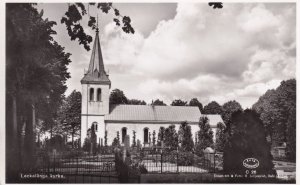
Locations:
(95, 95)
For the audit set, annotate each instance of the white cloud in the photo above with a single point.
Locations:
(237, 52)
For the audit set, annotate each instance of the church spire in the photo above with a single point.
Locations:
(96, 72)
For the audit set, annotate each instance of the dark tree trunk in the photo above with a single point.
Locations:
(29, 139)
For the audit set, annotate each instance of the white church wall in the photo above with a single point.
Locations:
(112, 129)
(95, 107)
(86, 123)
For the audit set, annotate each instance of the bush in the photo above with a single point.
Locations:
(185, 159)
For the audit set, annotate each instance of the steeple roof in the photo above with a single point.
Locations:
(96, 73)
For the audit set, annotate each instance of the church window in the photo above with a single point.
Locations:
(124, 133)
(98, 94)
(95, 126)
(146, 135)
(91, 94)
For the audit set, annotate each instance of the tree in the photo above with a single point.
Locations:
(105, 138)
(171, 137)
(153, 138)
(117, 97)
(248, 141)
(134, 139)
(291, 136)
(35, 80)
(93, 140)
(136, 102)
(185, 137)
(215, 5)
(158, 102)
(221, 137)
(277, 111)
(195, 102)
(70, 116)
(116, 141)
(228, 109)
(212, 108)
(118, 137)
(178, 102)
(75, 13)
(160, 136)
(205, 136)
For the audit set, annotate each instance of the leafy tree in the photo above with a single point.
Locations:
(70, 116)
(35, 80)
(93, 140)
(105, 138)
(86, 145)
(205, 136)
(178, 102)
(277, 111)
(153, 138)
(228, 109)
(248, 141)
(116, 141)
(75, 13)
(117, 97)
(171, 137)
(136, 102)
(221, 137)
(212, 108)
(118, 137)
(160, 136)
(185, 137)
(291, 136)
(195, 102)
(134, 139)
(158, 102)
(216, 5)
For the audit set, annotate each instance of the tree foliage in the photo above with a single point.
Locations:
(158, 102)
(136, 102)
(248, 141)
(221, 137)
(195, 102)
(227, 110)
(153, 138)
(205, 136)
(277, 109)
(178, 102)
(171, 137)
(185, 137)
(117, 97)
(212, 108)
(70, 116)
(160, 136)
(36, 72)
(76, 12)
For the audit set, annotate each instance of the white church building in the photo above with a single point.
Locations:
(143, 119)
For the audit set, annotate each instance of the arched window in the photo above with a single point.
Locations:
(124, 133)
(91, 94)
(98, 94)
(95, 126)
(146, 135)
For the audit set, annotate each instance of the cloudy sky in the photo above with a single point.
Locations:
(190, 50)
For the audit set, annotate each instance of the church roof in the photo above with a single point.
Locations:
(96, 73)
(149, 113)
(158, 114)
(214, 119)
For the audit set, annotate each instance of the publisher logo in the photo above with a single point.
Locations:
(251, 163)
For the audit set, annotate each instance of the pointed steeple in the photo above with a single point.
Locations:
(96, 73)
